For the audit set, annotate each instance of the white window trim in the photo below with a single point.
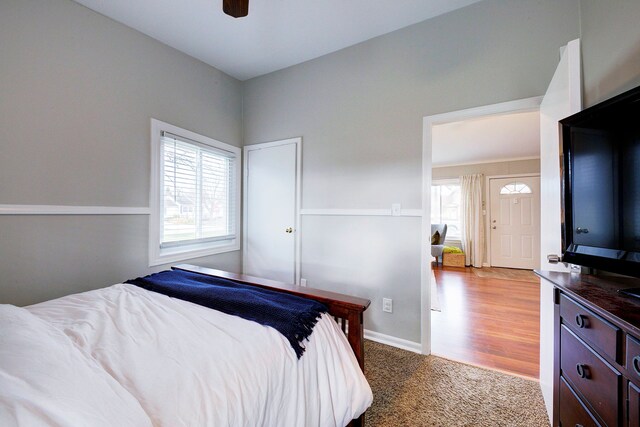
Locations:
(445, 181)
(159, 256)
(452, 242)
(457, 240)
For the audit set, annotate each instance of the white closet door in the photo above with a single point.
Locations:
(270, 221)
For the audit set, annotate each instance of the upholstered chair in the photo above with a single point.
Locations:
(437, 241)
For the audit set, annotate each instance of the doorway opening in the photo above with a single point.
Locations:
(562, 98)
(484, 236)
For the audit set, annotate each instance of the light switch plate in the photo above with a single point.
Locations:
(387, 305)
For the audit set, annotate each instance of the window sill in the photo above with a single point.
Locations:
(168, 256)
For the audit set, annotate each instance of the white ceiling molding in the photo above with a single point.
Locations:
(482, 162)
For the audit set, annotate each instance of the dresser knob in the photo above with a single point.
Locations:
(636, 365)
(581, 321)
(583, 371)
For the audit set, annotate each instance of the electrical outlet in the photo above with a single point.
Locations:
(395, 209)
(387, 305)
(303, 282)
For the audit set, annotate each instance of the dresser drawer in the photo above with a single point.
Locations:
(591, 376)
(634, 405)
(633, 358)
(573, 412)
(590, 327)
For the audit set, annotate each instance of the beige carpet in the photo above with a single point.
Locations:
(414, 390)
(507, 274)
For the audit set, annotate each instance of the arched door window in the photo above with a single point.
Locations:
(515, 188)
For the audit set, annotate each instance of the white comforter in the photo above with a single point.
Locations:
(182, 364)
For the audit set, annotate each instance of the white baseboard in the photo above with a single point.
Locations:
(486, 264)
(403, 344)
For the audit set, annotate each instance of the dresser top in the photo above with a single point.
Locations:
(601, 294)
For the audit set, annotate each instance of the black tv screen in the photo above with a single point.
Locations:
(601, 185)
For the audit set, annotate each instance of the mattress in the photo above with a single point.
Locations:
(173, 363)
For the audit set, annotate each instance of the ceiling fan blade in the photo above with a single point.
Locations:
(236, 8)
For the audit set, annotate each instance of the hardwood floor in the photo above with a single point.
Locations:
(487, 321)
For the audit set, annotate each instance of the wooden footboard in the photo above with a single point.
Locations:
(346, 310)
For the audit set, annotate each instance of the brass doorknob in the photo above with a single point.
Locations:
(289, 230)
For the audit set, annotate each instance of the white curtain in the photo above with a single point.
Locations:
(472, 219)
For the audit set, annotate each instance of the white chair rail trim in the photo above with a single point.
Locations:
(360, 212)
(71, 210)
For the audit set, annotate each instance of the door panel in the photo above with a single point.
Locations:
(634, 405)
(505, 212)
(527, 247)
(505, 246)
(563, 98)
(271, 212)
(526, 212)
(515, 226)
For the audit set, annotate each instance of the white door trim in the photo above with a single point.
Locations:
(520, 105)
(298, 232)
(562, 98)
(487, 198)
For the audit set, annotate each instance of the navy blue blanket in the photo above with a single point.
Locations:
(292, 316)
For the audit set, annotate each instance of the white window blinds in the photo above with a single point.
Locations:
(198, 190)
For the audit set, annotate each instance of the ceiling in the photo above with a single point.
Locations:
(487, 139)
(275, 35)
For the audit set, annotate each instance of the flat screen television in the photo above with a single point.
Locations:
(600, 158)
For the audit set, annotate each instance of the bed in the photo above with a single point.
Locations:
(123, 355)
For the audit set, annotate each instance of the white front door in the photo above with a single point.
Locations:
(515, 222)
(271, 189)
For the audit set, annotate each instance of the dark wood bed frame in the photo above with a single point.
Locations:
(346, 310)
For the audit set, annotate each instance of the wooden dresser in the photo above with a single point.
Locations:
(596, 351)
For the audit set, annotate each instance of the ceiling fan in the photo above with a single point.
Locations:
(236, 8)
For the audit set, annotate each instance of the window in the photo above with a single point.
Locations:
(194, 195)
(445, 206)
(515, 188)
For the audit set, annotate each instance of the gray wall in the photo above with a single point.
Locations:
(487, 169)
(610, 48)
(75, 88)
(360, 113)
(77, 91)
